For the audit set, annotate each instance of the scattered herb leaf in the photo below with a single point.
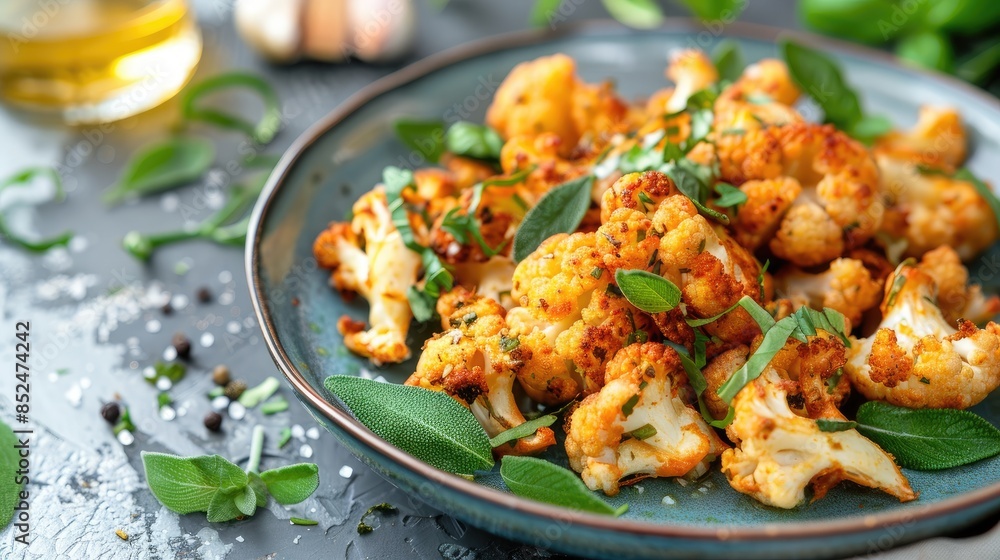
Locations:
(473, 140)
(262, 132)
(559, 211)
(24, 178)
(522, 430)
(540, 480)
(426, 137)
(825, 425)
(647, 291)
(162, 166)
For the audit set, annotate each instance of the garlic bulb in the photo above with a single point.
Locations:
(327, 30)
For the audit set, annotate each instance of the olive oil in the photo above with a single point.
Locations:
(91, 61)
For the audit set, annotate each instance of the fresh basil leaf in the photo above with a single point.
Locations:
(818, 76)
(262, 132)
(24, 178)
(291, 484)
(426, 137)
(728, 60)
(641, 14)
(774, 340)
(983, 189)
(10, 488)
(825, 425)
(473, 140)
(647, 291)
(542, 481)
(185, 485)
(928, 439)
(560, 211)
(162, 166)
(429, 425)
(978, 66)
(524, 430)
(729, 196)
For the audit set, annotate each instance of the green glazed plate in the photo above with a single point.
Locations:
(341, 157)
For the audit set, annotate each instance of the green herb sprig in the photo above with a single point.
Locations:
(261, 132)
(23, 178)
(211, 484)
(162, 166)
(473, 140)
(542, 481)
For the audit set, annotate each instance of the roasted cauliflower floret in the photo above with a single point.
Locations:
(937, 140)
(930, 210)
(780, 453)
(368, 257)
(640, 423)
(956, 298)
(916, 359)
(642, 192)
(837, 208)
(475, 362)
(545, 95)
(569, 318)
(847, 286)
(691, 71)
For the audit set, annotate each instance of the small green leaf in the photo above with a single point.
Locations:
(729, 196)
(928, 49)
(24, 178)
(185, 485)
(983, 189)
(728, 59)
(473, 140)
(819, 77)
(429, 425)
(641, 14)
(643, 432)
(9, 488)
(162, 166)
(629, 405)
(262, 132)
(560, 211)
(259, 488)
(522, 430)
(223, 507)
(647, 291)
(774, 340)
(302, 521)
(426, 137)
(509, 344)
(421, 304)
(291, 484)
(256, 395)
(540, 480)
(928, 439)
(246, 501)
(825, 425)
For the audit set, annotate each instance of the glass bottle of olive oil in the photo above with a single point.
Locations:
(92, 61)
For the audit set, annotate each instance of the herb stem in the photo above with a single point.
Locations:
(256, 448)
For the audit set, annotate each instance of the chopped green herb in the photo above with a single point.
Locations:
(302, 521)
(509, 344)
(825, 425)
(644, 432)
(284, 437)
(274, 406)
(363, 527)
(262, 132)
(629, 405)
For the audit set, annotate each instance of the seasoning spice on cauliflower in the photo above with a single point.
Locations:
(937, 140)
(916, 358)
(847, 286)
(780, 453)
(956, 298)
(640, 423)
(570, 317)
(475, 362)
(368, 257)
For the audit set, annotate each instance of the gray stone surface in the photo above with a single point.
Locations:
(96, 324)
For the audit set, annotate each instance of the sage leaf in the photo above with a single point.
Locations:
(262, 132)
(425, 137)
(983, 189)
(641, 14)
(246, 501)
(522, 430)
(190, 484)
(774, 340)
(698, 382)
(928, 439)
(728, 60)
(542, 481)
(560, 211)
(473, 140)
(259, 488)
(291, 484)
(223, 507)
(647, 291)
(162, 166)
(825, 425)
(10, 487)
(693, 187)
(24, 178)
(729, 196)
(429, 425)
(819, 76)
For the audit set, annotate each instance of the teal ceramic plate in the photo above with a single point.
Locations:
(342, 157)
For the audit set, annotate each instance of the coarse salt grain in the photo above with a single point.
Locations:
(239, 538)
(298, 432)
(306, 451)
(668, 501)
(125, 437)
(312, 433)
(237, 411)
(220, 403)
(207, 339)
(164, 383)
(346, 471)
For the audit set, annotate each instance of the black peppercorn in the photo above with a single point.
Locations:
(182, 345)
(167, 309)
(213, 421)
(110, 412)
(204, 295)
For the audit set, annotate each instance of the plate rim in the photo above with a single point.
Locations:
(505, 41)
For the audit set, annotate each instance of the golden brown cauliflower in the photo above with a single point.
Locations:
(368, 257)
(545, 95)
(475, 362)
(937, 140)
(780, 453)
(930, 210)
(916, 358)
(640, 423)
(956, 298)
(570, 318)
(847, 286)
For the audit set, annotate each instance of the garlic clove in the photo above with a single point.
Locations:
(271, 27)
(381, 30)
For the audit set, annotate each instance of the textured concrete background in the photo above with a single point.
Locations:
(96, 324)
